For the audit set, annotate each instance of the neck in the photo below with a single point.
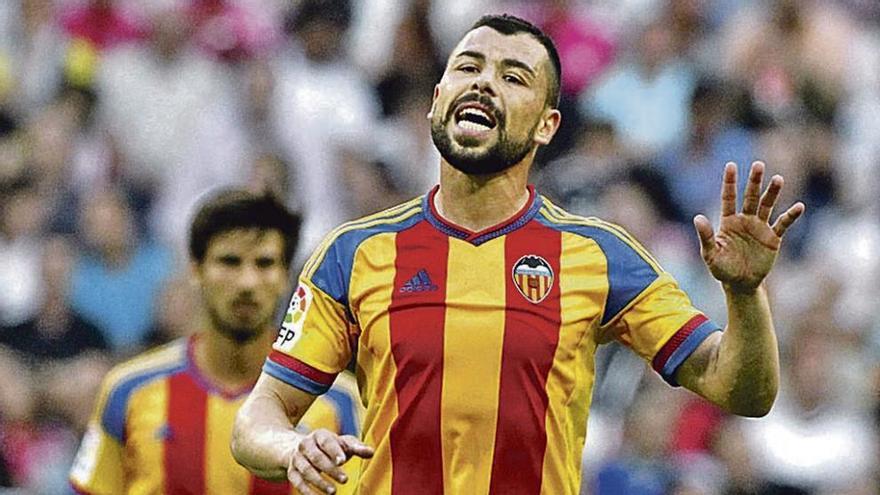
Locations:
(477, 202)
(229, 364)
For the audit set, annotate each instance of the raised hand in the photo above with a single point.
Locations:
(318, 456)
(744, 249)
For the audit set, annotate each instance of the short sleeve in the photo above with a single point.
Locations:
(98, 466)
(645, 309)
(316, 336)
(662, 326)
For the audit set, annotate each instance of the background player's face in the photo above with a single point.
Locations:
(242, 278)
(490, 107)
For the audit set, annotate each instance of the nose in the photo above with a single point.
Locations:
(248, 278)
(483, 83)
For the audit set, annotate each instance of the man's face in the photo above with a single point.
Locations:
(490, 107)
(242, 278)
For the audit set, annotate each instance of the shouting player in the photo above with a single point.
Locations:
(475, 311)
(164, 419)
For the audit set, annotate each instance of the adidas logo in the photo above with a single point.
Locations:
(421, 282)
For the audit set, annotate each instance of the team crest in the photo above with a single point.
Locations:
(533, 277)
(291, 326)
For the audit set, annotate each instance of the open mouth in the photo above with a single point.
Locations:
(474, 117)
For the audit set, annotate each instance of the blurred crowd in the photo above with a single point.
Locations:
(116, 115)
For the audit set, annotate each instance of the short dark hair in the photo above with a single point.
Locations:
(507, 24)
(231, 209)
(336, 12)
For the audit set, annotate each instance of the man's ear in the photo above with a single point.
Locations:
(548, 126)
(434, 101)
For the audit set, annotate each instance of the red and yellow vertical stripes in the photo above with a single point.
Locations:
(197, 459)
(185, 437)
(472, 354)
(372, 289)
(581, 282)
(531, 335)
(416, 339)
(472, 360)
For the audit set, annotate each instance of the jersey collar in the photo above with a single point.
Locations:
(206, 383)
(522, 217)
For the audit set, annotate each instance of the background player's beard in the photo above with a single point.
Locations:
(239, 334)
(498, 158)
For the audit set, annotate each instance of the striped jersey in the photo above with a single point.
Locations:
(160, 427)
(475, 349)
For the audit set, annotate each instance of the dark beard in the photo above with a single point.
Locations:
(498, 158)
(239, 335)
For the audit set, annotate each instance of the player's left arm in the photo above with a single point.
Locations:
(739, 368)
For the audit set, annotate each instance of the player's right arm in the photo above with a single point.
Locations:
(265, 442)
(314, 344)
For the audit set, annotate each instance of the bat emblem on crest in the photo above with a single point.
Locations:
(533, 277)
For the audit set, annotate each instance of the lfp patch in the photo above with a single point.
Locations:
(533, 277)
(291, 326)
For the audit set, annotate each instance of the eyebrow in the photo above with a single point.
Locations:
(510, 62)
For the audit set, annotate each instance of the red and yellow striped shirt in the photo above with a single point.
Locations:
(475, 350)
(160, 427)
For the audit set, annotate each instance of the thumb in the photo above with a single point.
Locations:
(705, 233)
(352, 446)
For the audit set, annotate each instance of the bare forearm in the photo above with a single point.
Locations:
(747, 363)
(263, 437)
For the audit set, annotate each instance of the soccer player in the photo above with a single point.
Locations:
(163, 420)
(475, 311)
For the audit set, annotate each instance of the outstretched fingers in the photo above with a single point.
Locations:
(788, 218)
(753, 189)
(728, 190)
(706, 234)
(768, 199)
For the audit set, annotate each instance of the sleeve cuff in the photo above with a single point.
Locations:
(681, 346)
(298, 374)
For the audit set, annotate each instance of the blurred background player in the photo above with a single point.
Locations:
(163, 419)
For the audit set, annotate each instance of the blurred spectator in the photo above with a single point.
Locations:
(103, 24)
(576, 179)
(714, 139)
(117, 282)
(695, 426)
(17, 405)
(450, 19)
(173, 116)
(95, 26)
(814, 439)
(414, 66)
(258, 82)
(55, 332)
(315, 125)
(60, 369)
(35, 47)
(796, 57)
(742, 475)
(641, 466)
(235, 30)
(403, 142)
(645, 96)
(586, 48)
(23, 218)
(174, 309)
(270, 173)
